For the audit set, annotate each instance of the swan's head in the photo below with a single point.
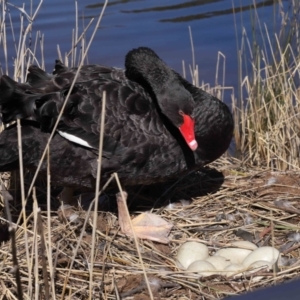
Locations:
(175, 102)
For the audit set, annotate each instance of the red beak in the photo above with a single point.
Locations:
(188, 132)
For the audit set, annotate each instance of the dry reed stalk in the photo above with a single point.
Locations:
(16, 267)
(121, 194)
(42, 252)
(49, 252)
(98, 178)
(23, 212)
(21, 49)
(193, 53)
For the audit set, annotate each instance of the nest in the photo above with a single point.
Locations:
(225, 203)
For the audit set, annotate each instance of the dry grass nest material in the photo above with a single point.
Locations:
(251, 204)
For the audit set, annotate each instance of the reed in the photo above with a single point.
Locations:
(267, 113)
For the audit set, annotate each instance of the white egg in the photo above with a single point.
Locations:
(256, 267)
(219, 262)
(234, 255)
(269, 254)
(73, 217)
(233, 269)
(202, 267)
(244, 245)
(190, 252)
(260, 264)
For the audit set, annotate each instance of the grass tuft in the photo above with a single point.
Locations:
(267, 113)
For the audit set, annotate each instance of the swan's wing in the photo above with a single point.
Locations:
(133, 129)
(69, 165)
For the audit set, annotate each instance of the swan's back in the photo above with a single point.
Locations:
(140, 142)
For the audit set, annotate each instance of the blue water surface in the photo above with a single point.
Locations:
(161, 25)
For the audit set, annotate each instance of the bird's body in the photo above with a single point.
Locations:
(145, 138)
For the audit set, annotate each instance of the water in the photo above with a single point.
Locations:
(160, 25)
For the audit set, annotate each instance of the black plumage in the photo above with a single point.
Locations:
(146, 107)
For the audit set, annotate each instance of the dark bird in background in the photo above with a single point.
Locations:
(158, 126)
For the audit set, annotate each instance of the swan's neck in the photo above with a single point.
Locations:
(152, 72)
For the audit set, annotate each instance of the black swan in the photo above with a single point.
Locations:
(158, 126)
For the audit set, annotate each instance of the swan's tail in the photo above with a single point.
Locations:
(36, 77)
(19, 101)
